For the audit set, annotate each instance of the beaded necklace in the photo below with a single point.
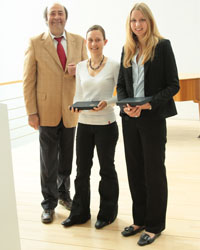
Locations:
(90, 64)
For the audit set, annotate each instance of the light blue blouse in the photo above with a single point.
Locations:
(138, 76)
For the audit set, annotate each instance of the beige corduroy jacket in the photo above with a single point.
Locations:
(48, 89)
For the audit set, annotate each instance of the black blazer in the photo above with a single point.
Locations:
(160, 81)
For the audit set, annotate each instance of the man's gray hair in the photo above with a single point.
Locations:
(46, 12)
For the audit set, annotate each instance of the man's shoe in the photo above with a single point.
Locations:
(47, 216)
(145, 239)
(128, 231)
(66, 203)
(70, 221)
(100, 224)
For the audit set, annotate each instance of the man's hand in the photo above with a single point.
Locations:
(34, 121)
(71, 67)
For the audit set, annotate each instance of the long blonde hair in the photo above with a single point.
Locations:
(150, 39)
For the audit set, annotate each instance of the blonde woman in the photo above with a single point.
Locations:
(148, 68)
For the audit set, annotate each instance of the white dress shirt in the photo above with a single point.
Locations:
(63, 41)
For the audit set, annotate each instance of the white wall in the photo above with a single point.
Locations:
(9, 232)
(177, 20)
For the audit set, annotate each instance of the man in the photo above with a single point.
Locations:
(49, 88)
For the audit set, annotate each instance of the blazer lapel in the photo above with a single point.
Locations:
(129, 73)
(49, 46)
(146, 67)
(130, 79)
(70, 48)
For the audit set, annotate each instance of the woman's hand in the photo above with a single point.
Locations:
(73, 110)
(132, 111)
(136, 110)
(101, 105)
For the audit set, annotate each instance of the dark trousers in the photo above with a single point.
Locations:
(56, 155)
(104, 137)
(144, 142)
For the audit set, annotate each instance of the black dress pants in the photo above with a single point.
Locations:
(144, 141)
(104, 137)
(56, 155)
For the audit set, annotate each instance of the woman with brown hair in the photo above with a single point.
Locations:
(96, 79)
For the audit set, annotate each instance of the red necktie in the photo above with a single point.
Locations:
(61, 52)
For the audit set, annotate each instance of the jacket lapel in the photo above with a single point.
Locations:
(130, 79)
(146, 67)
(70, 48)
(49, 46)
